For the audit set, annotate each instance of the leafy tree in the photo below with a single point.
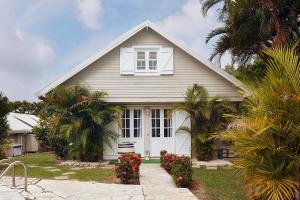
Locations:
(207, 119)
(80, 117)
(4, 110)
(249, 26)
(248, 71)
(267, 138)
(25, 107)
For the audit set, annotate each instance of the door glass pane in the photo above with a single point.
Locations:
(155, 118)
(126, 124)
(167, 123)
(137, 123)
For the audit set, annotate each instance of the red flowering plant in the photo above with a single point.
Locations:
(182, 171)
(127, 169)
(167, 161)
(180, 167)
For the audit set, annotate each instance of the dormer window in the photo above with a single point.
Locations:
(146, 60)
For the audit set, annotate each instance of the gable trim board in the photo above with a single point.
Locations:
(126, 36)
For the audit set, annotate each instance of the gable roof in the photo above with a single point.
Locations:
(21, 123)
(145, 24)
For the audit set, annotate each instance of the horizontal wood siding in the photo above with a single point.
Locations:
(104, 74)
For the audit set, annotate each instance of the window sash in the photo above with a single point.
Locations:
(147, 64)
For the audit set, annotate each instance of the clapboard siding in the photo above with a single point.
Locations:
(104, 74)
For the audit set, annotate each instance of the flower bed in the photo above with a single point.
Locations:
(127, 169)
(180, 167)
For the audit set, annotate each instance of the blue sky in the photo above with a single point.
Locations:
(42, 39)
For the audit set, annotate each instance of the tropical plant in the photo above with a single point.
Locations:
(267, 138)
(250, 26)
(207, 119)
(4, 110)
(81, 118)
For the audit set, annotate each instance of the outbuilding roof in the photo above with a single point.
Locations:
(21, 123)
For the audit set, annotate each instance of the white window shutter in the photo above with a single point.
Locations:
(126, 60)
(165, 60)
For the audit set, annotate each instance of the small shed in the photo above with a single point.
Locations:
(20, 134)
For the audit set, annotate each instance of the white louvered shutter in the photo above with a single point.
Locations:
(166, 60)
(126, 61)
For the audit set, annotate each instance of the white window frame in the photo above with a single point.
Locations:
(147, 50)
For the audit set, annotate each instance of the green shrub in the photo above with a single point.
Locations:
(162, 153)
(128, 167)
(180, 167)
(60, 146)
(41, 133)
(182, 171)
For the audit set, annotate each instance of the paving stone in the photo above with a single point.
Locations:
(68, 173)
(61, 177)
(76, 168)
(53, 170)
(48, 167)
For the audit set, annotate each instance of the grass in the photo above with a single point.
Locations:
(38, 161)
(220, 184)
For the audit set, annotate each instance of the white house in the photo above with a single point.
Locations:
(20, 134)
(147, 71)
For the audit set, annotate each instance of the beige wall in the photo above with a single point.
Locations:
(104, 74)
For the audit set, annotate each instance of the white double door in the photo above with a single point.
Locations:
(132, 127)
(152, 129)
(161, 131)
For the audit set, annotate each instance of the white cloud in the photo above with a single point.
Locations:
(191, 27)
(23, 59)
(90, 13)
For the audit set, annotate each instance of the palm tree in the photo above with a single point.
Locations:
(4, 110)
(250, 26)
(267, 138)
(207, 119)
(81, 117)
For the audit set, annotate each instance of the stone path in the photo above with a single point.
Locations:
(156, 184)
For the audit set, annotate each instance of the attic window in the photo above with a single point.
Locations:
(146, 60)
(141, 60)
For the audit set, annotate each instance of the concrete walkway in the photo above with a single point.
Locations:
(156, 184)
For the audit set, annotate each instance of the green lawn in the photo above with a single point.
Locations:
(219, 184)
(38, 163)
